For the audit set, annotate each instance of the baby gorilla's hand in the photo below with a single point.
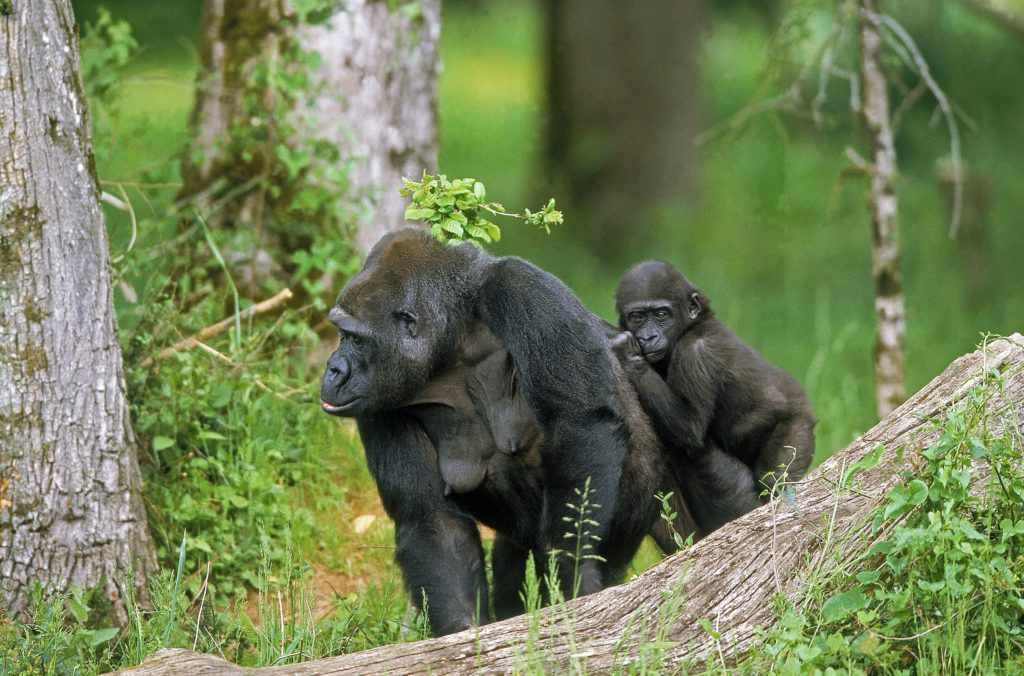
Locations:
(627, 351)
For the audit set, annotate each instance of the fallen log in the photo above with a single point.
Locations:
(727, 579)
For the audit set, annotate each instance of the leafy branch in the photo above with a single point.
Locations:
(458, 211)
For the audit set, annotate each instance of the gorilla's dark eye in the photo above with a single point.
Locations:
(408, 320)
(636, 316)
(661, 314)
(356, 339)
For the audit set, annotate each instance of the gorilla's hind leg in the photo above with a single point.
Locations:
(788, 452)
(508, 562)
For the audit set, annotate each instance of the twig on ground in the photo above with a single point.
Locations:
(273, 303)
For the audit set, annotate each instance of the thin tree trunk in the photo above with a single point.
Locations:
(624, 106)
(375, 101)
(885, 243)
(71, 510)
(728, 578)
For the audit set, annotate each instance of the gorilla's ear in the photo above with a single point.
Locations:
(408, 321)
(695, 307)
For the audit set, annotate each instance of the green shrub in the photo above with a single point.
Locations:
(942, 588)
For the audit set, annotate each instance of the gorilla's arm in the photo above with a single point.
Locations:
(566, 375)
(682, 412)
(437, 545)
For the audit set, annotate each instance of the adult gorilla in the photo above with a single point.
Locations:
(419, 324)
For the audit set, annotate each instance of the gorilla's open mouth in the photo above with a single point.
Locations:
(338, 409)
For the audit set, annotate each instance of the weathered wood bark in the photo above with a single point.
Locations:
(71, 512)
(890, 326)
(376, 101)
(624, 106)
(729, 578)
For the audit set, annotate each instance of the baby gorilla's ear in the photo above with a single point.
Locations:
(695, 307)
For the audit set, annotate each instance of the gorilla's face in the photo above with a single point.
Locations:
(380, 362)
(654, 325)
(657, 304)
(396, 319)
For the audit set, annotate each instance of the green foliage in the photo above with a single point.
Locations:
(580, 536)
(107, 47)
(941, 590)
(60, 636)
(457, 210)
(224, 454)
(668, 514)
(283, 181)
(65, 634)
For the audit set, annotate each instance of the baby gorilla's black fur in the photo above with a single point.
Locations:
(732, 421)
(485, 392)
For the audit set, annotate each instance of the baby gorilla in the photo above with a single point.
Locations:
(712, 398)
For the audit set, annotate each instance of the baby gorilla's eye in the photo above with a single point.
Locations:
(661, 314)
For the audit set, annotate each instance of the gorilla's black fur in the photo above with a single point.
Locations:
(485, 392)
(712, 398)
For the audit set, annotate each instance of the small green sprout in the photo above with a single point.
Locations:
(457, 211)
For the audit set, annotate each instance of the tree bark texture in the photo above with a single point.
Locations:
(624, 104)
(728, 578)
(380, 75)
(71, 511)
(890, 324)
(375, 99)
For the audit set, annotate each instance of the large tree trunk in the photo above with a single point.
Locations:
(729, 577)
(890, 323)
(375, 100)
(624, 101)
(71, 511)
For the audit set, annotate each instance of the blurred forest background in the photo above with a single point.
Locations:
(699, 159)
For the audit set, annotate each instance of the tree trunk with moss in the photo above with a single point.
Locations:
(726, 581)
(71, 511)
(312, 117)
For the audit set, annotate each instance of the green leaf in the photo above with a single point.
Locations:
(870, 459)
(160, 443)
(101, 636)
(78, 609)
(969, 530)
(709, 628)
(843, 604)
(414, 213)
(917, 492)
(452, 227)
